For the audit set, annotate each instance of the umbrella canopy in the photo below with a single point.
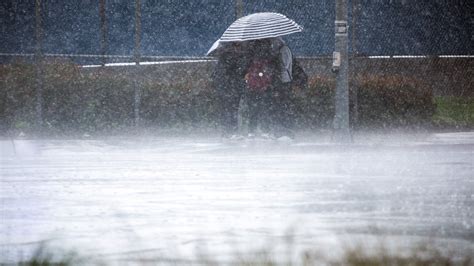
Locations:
(257, 26)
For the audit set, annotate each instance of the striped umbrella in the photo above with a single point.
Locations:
(257, 26)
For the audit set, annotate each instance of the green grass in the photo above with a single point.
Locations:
(455, 112)
(420, 255)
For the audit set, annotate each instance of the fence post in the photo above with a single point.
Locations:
(355, 85)
(103, 32)
(239, 8)
(38, 70)
(341, 118)
(137, 92)
(243, 110)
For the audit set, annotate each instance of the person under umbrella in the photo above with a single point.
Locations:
(253, 37)
(228, 79)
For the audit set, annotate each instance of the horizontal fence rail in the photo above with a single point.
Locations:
(166, 58)
(154, 57)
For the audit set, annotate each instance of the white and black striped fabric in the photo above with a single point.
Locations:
(260, 26)
(257, 26)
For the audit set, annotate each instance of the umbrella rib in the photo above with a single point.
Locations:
(248, 36)
(263, 16)
(259, 36)
(257, 31)
(250, 23)
(261, 20)
(281, 27)
(258, 27)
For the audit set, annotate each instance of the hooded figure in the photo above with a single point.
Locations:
(259, 71)
(260, 79)
(268, 81)
(228, 78)
(263, 31)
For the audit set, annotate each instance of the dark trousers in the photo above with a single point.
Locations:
(272, 109)
(259, 103)
(229, 93)
(282, 109)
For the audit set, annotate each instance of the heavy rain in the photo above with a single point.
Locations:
(236, 132)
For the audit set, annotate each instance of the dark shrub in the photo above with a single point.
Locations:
(393, 101)
(382, 101)
(17, 85)
(102, 99)
(315, 107)
(182, 104)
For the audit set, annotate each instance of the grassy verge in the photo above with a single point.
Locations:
(356, 256)
(454, 112)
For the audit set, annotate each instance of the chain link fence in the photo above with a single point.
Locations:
(427, 40)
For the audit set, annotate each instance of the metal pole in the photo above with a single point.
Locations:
(138, 26)
(355, 88)
(38, 58)
(137, 95)
(243, 115)
(353, 29)
(341, 118)
(239, 8)
(103, 31)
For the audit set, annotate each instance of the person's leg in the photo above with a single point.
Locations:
(266, 111)
(229, 108)
(229, 98)
(253, 99)
(282, 108)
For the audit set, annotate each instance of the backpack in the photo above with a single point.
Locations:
(300, 78)
(260, 74)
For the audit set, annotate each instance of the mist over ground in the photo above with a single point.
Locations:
(132, 198)
(108, 161)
